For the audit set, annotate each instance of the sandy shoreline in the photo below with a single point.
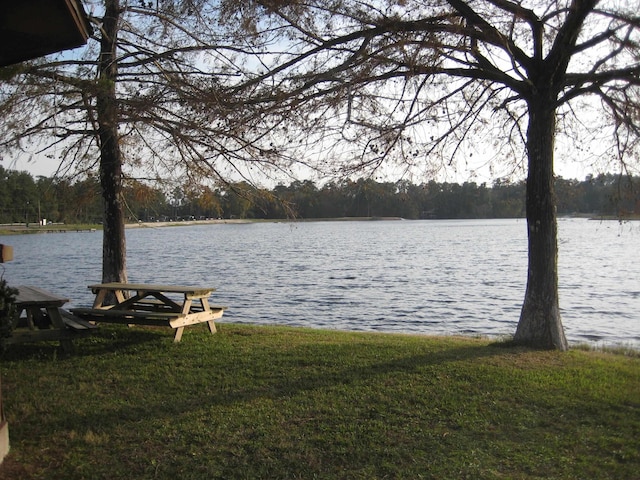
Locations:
(19, 228)
(184, 223)
(240, 220)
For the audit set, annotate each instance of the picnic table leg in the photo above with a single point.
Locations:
(186, 308)
(178, 335)
(58, 322)
(30, 322)
(99, 300)
(101, 297)
(206, 308)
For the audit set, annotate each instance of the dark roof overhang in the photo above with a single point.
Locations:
(33, 28)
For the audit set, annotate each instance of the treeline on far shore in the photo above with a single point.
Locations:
(24, 199)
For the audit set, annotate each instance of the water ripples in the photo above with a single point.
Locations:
(432, 277)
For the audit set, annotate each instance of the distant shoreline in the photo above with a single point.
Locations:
(20, 228)
(252, 220)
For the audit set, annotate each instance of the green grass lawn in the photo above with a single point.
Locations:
(290, 403)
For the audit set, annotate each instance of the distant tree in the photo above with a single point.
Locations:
(48, 203)
(209, 203)
(567, 193)
(5, 198)
(142, 201)
(408, 198)
(410, 79)
(83, 201)
(332, 200)
(508, 199)
(238, 200)
(18, 197)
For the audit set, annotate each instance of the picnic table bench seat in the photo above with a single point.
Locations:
(74, 322)
(155, 305)
(161, 317)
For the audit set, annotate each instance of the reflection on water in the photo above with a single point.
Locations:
(433, 277)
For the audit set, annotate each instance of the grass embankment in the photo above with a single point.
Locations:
(22, 229)
(283, 403)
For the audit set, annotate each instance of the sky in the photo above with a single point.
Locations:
(44, 167)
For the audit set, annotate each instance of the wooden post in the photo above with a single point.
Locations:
(6, 254)
(4, 431)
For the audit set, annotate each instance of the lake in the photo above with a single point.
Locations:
(428, 277)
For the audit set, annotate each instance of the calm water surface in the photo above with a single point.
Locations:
(433, 277)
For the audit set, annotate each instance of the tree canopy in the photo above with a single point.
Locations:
(406, 79)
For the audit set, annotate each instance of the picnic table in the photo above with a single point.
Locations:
(45, 319)
(173, 306)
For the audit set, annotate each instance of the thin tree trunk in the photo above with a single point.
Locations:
(540, 324)
(113, 243)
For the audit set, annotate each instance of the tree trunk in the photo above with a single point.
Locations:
(113, 244)
(540, 324)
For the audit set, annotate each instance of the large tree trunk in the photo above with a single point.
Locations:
(113, 244)
(540, 324)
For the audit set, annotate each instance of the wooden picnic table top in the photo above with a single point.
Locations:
(148, 287)
(29, 296)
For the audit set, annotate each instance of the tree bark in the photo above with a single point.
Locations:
(113, 243)
(540, 324)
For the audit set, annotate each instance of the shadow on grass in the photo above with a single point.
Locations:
(288, 378)
(280, 386)
(101, 341)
